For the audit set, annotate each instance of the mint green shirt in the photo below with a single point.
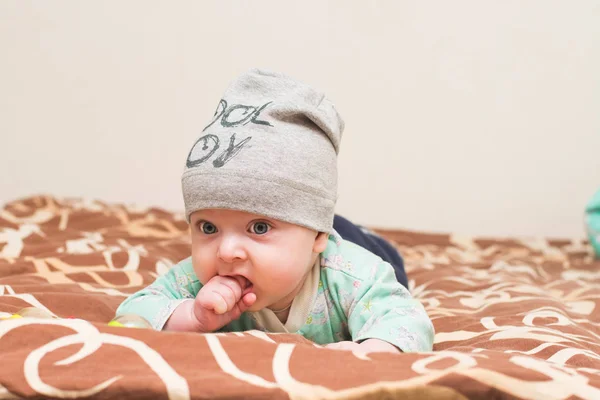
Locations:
(358, 298)
(592, 221)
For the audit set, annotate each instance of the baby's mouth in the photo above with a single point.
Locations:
(245, 284)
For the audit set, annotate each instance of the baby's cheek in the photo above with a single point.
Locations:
(202, 270)
(203, 280)
(286, 277)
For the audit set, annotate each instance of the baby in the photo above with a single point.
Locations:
(260, 186)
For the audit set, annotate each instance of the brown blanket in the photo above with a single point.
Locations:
(513, 318)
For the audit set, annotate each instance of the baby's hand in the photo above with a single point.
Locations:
(346, 345)
(223, 299)
(368, 346)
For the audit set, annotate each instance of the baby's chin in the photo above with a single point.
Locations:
(255, 307)
(258, 305)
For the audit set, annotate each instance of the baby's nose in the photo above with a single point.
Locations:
(231, 249)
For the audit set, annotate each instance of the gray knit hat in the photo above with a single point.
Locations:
(270, 149)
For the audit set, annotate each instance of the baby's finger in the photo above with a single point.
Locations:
(212, 299)
(220, 307)
(232, 285)
(247, 301)
(242, 305)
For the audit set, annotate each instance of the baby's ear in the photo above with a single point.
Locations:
(320, 242)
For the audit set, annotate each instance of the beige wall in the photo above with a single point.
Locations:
(470, 116)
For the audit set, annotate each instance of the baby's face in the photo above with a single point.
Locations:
(272, 256)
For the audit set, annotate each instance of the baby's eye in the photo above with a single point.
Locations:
(260, 228)
(207, 228)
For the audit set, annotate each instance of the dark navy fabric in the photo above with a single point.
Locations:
(372, 242)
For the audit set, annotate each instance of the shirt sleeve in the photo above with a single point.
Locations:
(157, 302)
(384, 309)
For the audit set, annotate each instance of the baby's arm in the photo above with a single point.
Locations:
(157, 302)
(384, 310)
(178, 301)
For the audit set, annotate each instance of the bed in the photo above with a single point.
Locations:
(514, 318)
